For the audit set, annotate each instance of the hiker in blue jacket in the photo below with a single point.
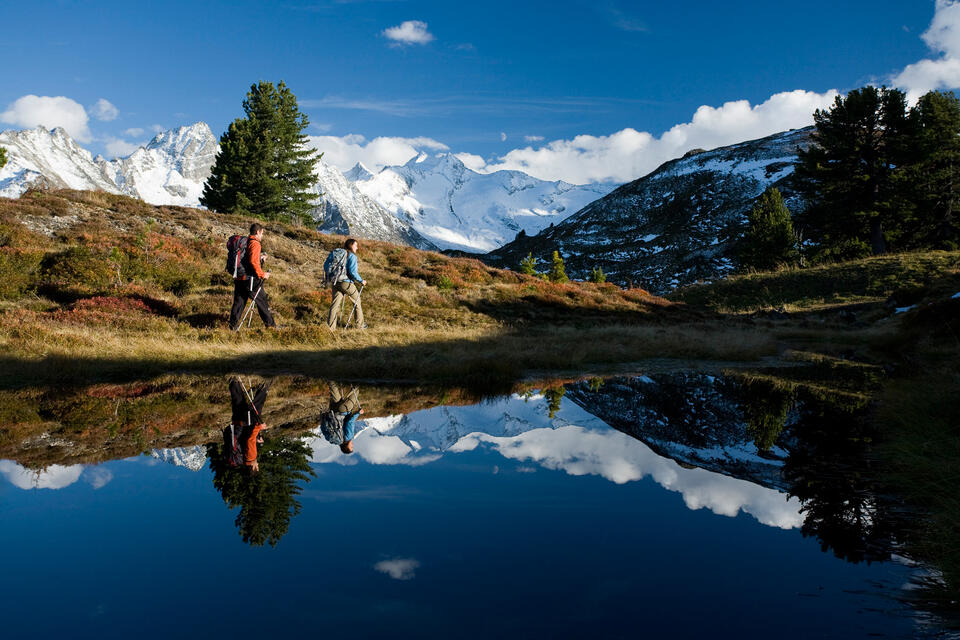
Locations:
(347, 283)
(339, 423)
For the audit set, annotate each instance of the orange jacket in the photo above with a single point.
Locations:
(250, 451)
(253, 257)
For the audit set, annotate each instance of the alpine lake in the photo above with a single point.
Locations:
(680, 504)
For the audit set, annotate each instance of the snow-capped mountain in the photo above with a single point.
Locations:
(455, 207)
(48, 159)
(170, 169)
(674, 226)
(344, 210)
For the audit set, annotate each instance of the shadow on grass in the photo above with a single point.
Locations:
(494, 361)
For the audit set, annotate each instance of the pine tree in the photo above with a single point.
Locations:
(769, 241)
(529, 265)
(848, 172)
(267, 500)
(264, 167)
(3, 157)
(933, 176)
(597, 275)
(557, 273)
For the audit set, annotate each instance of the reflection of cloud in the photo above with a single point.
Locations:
(398, 568)
(573, 441)
(53, 477)
(98, 477)
(620, 459)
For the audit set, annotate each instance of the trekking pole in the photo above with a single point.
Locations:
(248, 313)
(354, 306)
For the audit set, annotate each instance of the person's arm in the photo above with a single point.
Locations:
(352, 268)
(349, 426)
(253, 250)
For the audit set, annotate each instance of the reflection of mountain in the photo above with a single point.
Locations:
(193, 458)
(573, 441)
(693, 418)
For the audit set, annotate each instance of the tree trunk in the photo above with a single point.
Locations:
(877, 242)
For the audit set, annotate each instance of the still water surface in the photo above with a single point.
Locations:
(523, 516)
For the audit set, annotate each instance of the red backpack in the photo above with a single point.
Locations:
(236, 251)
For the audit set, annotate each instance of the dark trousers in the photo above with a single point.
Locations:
(241, 410)
(243, 290)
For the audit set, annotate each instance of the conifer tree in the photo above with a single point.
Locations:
(3, 157)
(769, 241)
(933, 176)
(848, 172)
(597, 275)
(529, 265)
(264, 167)
(557, 273)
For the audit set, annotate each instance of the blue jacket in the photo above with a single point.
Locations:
(350, 426)
(352, 268)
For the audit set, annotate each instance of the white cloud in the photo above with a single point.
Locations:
(134, 132)
(104, 110)
(118, 148)
(398, 568)
(345, 151)
(471, 160)
(943, 37)
(157, 128)
(503, 136)
(629, 154)
(98, 477)
(533, 138)
(409, 32)
(50, 112)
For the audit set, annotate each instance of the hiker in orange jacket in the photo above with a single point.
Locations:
(250, 285)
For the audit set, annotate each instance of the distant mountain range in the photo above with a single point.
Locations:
(430, 202)
(674, 226)
(458, 208)
(170, 169)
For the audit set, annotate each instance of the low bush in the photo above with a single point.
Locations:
(18, 271)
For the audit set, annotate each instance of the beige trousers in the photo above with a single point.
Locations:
(340, 290)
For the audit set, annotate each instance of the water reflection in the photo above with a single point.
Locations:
(258, 476)
(788, 455)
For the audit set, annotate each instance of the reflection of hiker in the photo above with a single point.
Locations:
(340, 271)
(249, 276)
(338, 422)
(241, 437)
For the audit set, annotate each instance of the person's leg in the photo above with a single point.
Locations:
(353, 401)
(336, 394)
(239, 301)
(332, 317)
(263, 305)
(354, 294)
(260, 396)
(238, 402)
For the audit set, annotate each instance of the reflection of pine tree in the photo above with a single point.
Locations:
(764, 408)
(267, 500)
(831, 471)
(553, 396)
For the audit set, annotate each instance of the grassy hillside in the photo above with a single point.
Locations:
(906, 277)
(96, 286)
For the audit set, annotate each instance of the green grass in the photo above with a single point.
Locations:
(907, 276)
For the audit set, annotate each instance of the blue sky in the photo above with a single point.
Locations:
(484, 79)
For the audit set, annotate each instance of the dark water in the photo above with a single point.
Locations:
(639, 508)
